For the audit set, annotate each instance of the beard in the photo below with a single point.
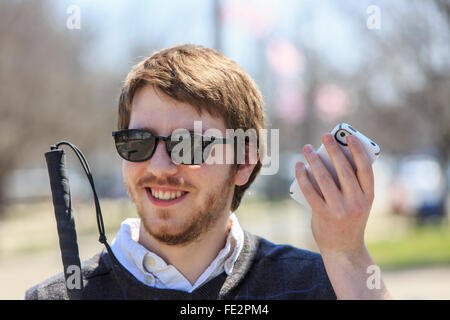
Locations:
(199, 220)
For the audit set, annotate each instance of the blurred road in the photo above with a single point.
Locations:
(419, 283)
(17, 274)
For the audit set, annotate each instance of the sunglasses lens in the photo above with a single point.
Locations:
(188, 151)
(176, 153)
(139, 145)
(135, 145)
(196, 149)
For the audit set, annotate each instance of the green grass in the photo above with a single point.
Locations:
(422, 246)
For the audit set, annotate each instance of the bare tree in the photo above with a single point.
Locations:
(412, 58)
(46, 92)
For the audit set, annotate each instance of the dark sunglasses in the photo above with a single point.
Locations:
(138, 145)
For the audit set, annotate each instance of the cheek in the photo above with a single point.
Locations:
(131, 171)
(213, 176)
(221, 154)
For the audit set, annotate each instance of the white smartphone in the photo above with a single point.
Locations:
(340, 134)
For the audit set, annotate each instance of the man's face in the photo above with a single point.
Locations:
(206, 190)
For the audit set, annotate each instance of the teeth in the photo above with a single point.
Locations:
(168, 195)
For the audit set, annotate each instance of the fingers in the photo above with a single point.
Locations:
(364, 170)
(315, 200)
(353, 185)
(324, 179)
(347, 177)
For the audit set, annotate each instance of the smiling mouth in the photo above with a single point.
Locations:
(165, 197)
(166, 194)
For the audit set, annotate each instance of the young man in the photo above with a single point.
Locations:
(188, 243)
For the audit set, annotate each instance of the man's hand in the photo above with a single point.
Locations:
(339, 218)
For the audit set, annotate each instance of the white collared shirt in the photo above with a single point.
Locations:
(153, 271)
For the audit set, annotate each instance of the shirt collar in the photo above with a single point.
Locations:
(142, 262)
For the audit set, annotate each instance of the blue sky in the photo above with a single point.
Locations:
(120, 24)
(335, 30)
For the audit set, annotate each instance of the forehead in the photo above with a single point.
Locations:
(154, 110)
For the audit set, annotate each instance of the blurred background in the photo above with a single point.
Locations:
(382, 66)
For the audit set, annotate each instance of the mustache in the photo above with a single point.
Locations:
(169, 181)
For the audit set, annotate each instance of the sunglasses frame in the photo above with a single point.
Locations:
(205, 139)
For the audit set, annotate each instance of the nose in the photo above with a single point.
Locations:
(160, 163)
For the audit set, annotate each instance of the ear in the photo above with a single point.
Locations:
(243, 173)
(245, 170)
